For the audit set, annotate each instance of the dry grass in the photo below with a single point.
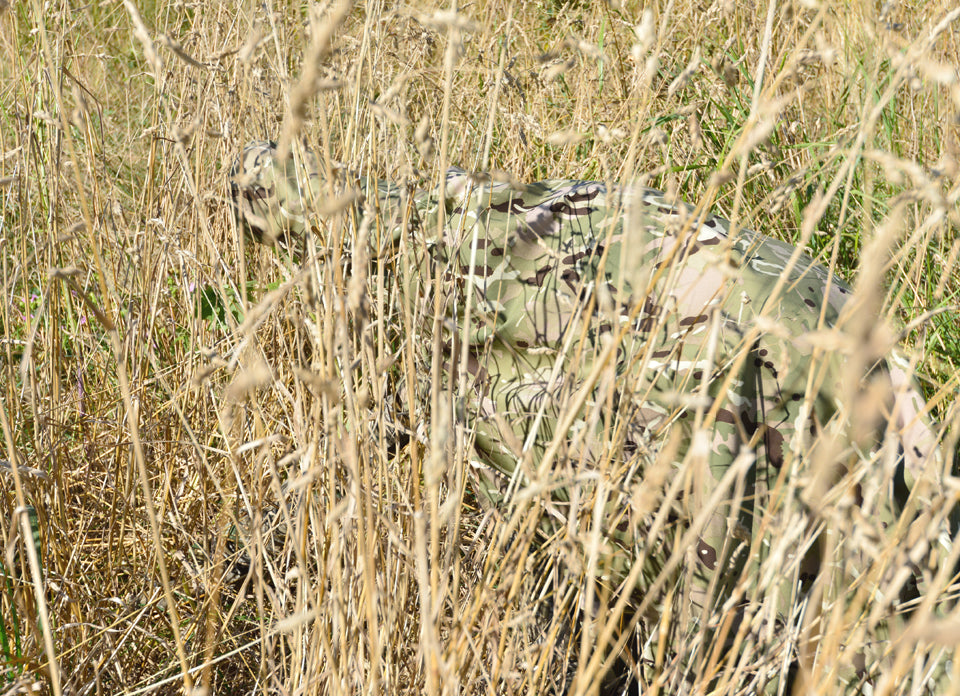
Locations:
(169, 386)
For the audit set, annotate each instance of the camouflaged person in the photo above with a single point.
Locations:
(618, 337)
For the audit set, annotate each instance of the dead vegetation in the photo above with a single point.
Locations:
(176, 401)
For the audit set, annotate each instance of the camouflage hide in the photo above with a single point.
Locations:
(637, 370)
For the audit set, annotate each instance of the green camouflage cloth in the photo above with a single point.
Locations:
(614, 335)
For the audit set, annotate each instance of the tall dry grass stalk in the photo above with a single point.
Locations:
(174, 400)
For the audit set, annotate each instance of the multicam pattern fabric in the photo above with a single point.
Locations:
(611, 330)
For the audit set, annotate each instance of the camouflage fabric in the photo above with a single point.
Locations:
(615, 335)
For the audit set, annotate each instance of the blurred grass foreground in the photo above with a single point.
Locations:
(228, 472)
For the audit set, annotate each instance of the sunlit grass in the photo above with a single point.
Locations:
(173, 384)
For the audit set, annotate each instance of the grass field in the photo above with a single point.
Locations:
(164, 384)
